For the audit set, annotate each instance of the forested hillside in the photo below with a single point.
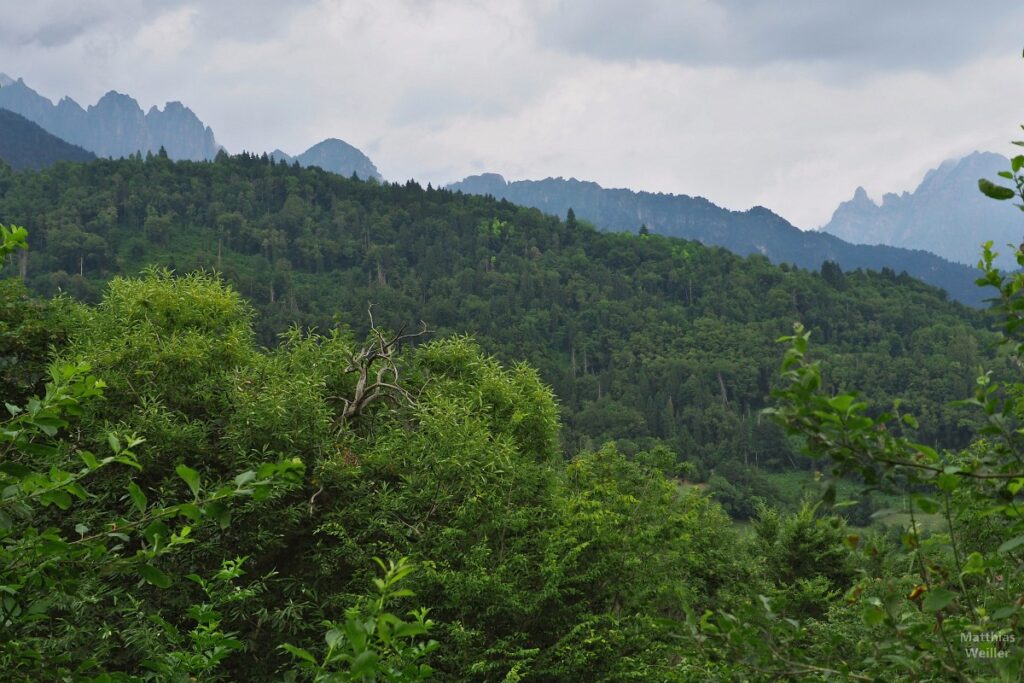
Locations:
(645, 340)
(382, 506)
(23, 144)
(213, 509)
(755, 231)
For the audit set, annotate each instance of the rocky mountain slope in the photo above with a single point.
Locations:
(115, 126)
(945, 214)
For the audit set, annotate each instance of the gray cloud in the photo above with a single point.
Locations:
(848, 34)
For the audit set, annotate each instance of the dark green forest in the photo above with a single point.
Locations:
(268, 423)
(646, 341)
(23, 144)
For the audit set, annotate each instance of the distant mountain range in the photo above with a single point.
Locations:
(336, 156)
(946, 214)
(115, 126)
(756, 231)
(23, 144)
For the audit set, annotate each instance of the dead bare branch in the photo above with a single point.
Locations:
(377, 374)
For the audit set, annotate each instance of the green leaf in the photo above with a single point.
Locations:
(14, 469)
(937, 599)
(89, 459)
(190, 476)
(138, 497)
(873, 615)
(76, 489)
(298, 653)
(1004, 612)
(59, 498)
(244, 478)
(156, 532)
(190, 510)
(410, 629)
(842, 402)
(334, 637)
(115, 443)
(926, 505)
(365, 663)
(947, 482)
(1011, 544)
(1017, 162)
(975, 564)
(993, 191)
(155, 576)
(219, 512)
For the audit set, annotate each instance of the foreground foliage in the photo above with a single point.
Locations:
(437, 453)
(179, 503)
(943, 604)
(646, 341)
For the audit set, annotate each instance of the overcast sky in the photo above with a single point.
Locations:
(790, 104)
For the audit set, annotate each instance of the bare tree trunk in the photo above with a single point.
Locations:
(376, 370)
(721, 384)
(23, 264)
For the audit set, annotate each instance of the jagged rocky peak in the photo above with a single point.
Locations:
(67, 104)
(860, 196)
(116, 125)
(116, 101)
(182, 134)
(945, 214)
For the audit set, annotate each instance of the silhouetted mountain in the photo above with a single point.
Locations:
(336, 156)
(115, 126)
(946, 214)
(756, 231)
(24, 144)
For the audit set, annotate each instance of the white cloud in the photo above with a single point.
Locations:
(168, 36)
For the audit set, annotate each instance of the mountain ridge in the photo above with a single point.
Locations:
(755, 231)
(945, 214)
(116, 126)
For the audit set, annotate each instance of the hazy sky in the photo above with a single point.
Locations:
(788, 104)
